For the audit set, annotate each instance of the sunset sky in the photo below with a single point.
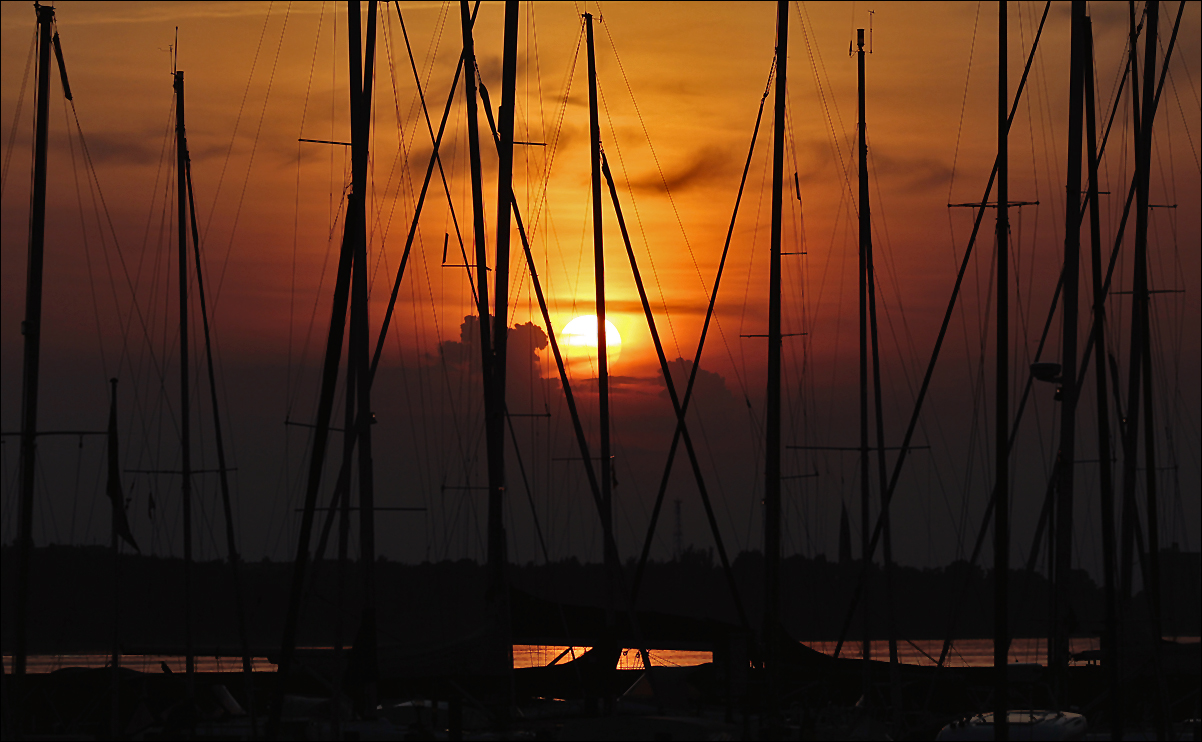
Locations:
(680, 86)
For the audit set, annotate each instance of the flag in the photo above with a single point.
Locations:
(115, 492)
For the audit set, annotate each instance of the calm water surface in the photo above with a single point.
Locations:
(964, 653)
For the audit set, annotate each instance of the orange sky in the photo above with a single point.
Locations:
(680, 85)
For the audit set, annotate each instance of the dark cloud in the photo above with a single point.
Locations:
(817, 158)
(524, 343)
(126, 150)
(706, 165)
(463, 354)
(635, 306)
(709, 389)
(616, 383)
(913, 172)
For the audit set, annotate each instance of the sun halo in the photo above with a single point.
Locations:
(579, 338)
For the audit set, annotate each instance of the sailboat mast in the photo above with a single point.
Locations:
(865, 246)
(185, 413)
(321, 435)
(31, 328)
(868, 288)
(1001, 433)
(772, 440)
(1062, 557)
(222, 469)
(358, 365)
(114, 552)
(493, 416)
(473, 138)
(1105, 475)
(1141, 299)
(497, 550)
(611, 558)
(1140, 364)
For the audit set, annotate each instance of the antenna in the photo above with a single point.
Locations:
(851, 45)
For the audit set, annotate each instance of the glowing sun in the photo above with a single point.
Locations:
(579, 340)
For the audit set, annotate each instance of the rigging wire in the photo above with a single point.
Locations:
(12, 134)
(86, 251)
(238, 119)
(972, 47)
(250, 164)
(288, 378)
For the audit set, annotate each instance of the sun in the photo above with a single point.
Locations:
(579, 341)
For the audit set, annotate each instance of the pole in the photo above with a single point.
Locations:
(772, 441)
(1001, 517)
(1140, 370)
(222, 468)
(1105, 475)
(185, 414)
(611, 558)
(358, 366)
(321, 435)
(497, 412)
(115, 551)
(31, 328)
(869, 281)
(1062, 554)
(865, 489)
(496, 420)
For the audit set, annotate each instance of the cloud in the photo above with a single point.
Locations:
(705, 165)
(522, 351)
(680, 307)
(913, 172)
(709, 389)
(817, 163)
(463, 354)
(125, 150)
(126, 13)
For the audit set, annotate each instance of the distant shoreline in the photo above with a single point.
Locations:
(436, 603)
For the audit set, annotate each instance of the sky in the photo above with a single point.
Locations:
(680, 86)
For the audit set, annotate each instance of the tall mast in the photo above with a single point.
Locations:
(185, 414)
(772, 440)
(321, 435)
(31, 328)
(611, 559)
(473, 138)
(1001, 515)
(868, 287)
(1063, 532)
(118, 503)
(1139, 370)
(482, 305)
(496, 410)
(1105, 475)
(865, 247)
(358, 365)
(222, 469)
(1129, 514)
(495, 424)
(1141, 299)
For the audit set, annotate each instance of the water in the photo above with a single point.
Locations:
(537, 655)
(964, 653)
(41, 663)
